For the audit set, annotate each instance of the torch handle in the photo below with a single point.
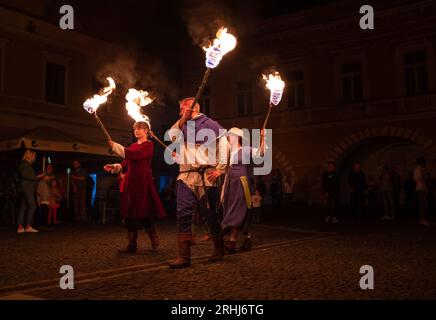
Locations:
(108, 137)
(267, 116)
(158, 140)
(201, 88)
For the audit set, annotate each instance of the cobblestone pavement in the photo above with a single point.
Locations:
(284, 264)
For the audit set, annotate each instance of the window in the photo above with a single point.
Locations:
(55, 80)
(415, 72)
(352, 86)
(205, 101)
(244, 98)
(295, 89)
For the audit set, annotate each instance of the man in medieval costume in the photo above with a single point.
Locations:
(198, 183)
(140, 202)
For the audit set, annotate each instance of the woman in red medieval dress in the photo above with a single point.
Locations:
(140, 202)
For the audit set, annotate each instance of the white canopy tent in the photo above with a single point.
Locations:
(51, 139)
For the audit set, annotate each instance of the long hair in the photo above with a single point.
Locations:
(29, 156)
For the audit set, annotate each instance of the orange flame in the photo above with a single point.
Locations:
(135, 100)
(91, 105)
(276, 85)
(224, 41)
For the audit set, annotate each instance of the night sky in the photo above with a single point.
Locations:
(159, 34)
(162, 27)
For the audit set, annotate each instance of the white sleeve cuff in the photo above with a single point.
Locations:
(119, 150)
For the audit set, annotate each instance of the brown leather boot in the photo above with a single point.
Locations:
(184, 258)
(230, 246)
(131, 247)
(154, 238)
(247, 244)
(218, 252)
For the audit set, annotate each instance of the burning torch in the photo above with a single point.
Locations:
(276, 85)
(92, 104)
(223, 43)
(135, 100)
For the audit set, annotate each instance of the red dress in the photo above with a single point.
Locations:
(140, 199)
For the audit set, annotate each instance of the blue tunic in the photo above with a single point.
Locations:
(201, 122)
(235, 196)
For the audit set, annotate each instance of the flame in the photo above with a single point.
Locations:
(226, 42)
(274, 82)
(135, 100)
(276, 85)
(91, 105)
(223, 43)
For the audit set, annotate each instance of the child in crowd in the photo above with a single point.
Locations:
(55, 199)
(256, 201)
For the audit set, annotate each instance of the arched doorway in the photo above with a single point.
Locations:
(374, 152)
(393, 146)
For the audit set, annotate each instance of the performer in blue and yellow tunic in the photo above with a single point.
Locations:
(236, 192)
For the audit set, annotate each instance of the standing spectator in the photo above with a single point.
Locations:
(79, 179)
(55, 199)
(372, 192)
(387, 193)
(43, 200)
(52, 175)
(261, 187)
(288, 188)
(409, 187)
(89, 191)
(256, 201)
(396, 185)
(274, 193)
(421, 189)
(27, 182)
(429, 182)
(330, 183)
(357, 185)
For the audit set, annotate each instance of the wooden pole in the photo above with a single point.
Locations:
(105, 132)
(201, 88)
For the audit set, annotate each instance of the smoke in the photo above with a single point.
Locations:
(133, 70)
(122, 69)
(154, 77)
(204, 18)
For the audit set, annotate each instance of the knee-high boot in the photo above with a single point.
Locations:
(230, 245)
(218, 249)
(184, 258)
